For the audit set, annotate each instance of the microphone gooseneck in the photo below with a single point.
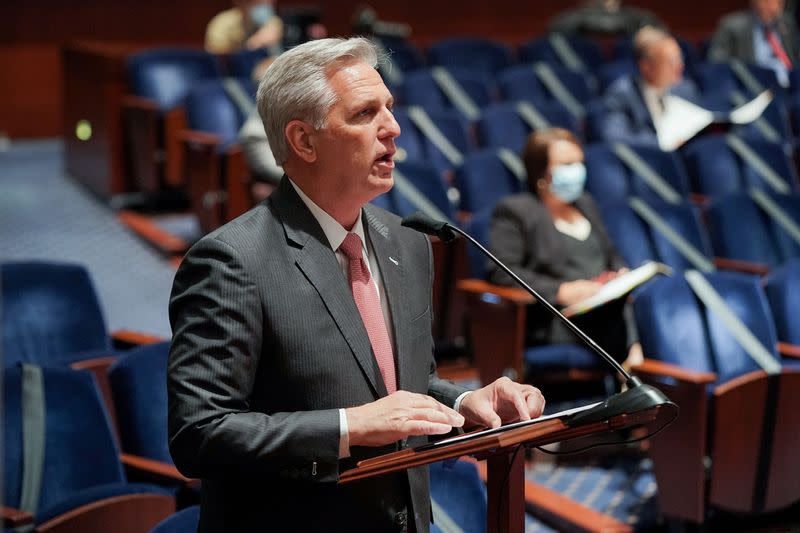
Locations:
(447, 232)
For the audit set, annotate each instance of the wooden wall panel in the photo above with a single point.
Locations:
(32, 32)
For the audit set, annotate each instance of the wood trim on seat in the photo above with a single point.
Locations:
(153, 469)
(741, 266)
(129, 513)
(15, 517)
(478, 286)
(143, 226)
(655, 368)
(789, 350)
(127, 338)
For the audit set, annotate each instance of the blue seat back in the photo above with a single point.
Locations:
(719, 77)
(501, 126)
(788, 248)
(478, 226)
(456, 129)
(607, 178)
(166, 75)
(674, 326)
(519, 83)
(51, 313)
(774, 155)
(469, 52)
(421, 89)
(783, 293)
(404, 54)
(428, 181)
(668, 165)
(714, 169)
(685, 220)
(241, 63)
(608, 73)
(739, 230)
(210, 109)
(458, 490)
(410, 140)
(79, 447)
(541, 49)
(629, 234)
(483, 180)
(139, 388)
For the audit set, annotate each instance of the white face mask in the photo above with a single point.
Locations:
(260, 14)
(568, 181)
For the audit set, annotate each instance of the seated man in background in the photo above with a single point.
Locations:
(762, 35)
(634, 105)
(552, 236)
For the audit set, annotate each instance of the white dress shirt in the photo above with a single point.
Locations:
(336, 233)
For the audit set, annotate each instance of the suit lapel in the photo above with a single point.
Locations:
(315, 258)
(393, 275)
(641, 109)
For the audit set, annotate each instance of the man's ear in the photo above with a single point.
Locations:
(300, 136)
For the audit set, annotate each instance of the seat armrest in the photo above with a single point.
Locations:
(654, 368)
(741, 266)
(142, 467)
(15, 517)
(512, 294)
(132, 102)
(196, 138)
(789, 350)
(125, 338)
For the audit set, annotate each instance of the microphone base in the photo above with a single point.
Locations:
(638, 397)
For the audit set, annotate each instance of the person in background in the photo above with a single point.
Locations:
(552, 236)
(249, 25)
(763, 35)
(634, 106)
(603, 18)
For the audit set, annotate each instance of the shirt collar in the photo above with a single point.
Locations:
(334, 231)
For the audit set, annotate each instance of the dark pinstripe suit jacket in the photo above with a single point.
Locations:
(267, 346)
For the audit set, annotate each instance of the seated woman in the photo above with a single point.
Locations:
(553, 238)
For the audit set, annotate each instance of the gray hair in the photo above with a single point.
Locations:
(296, 87)
(645, 38)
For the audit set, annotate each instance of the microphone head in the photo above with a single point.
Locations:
(421, 222)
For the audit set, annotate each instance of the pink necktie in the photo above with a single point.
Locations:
(777, 49)
(365, 294)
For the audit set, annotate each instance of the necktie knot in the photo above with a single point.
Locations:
(351, 246)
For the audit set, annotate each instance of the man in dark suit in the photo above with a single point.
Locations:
(762, 35)
(633, 106)
(302, 329)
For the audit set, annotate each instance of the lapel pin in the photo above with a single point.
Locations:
(393, 260)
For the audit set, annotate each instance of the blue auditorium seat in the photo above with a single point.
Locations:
(51, 314)
(483, 180)
(610, 181)
(541, 49)
(457, 489)
(454, 127)
(410, 141)
(715, 169)
(782, 286)
(210, 109)
(81, 469)
(608, 73)
(139, 389)
(704, 368)
(502, 126)
(159, 80)
(240, 64)
(720, 77)
(638, 242)
(521, 82)
(470, 52)
(420, 88)
(428, 181)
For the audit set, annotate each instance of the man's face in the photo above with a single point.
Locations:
(356, 146)
(767, 10)
(663, 66)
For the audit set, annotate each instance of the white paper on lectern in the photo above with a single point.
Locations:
(469, 436)
(682, 119)
(750, 111)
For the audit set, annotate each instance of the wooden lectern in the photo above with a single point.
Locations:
(640, 406)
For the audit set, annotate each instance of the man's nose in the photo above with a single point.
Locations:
(390, 126)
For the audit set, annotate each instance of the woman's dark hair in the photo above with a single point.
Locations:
(535, 153)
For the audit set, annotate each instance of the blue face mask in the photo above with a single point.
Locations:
(568, 182)
(260, 14)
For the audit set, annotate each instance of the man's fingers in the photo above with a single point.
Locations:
(425, 427)
(435, 415)
(536, 404)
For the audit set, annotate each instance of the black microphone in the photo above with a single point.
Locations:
(637, 397)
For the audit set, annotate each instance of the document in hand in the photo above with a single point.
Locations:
(617, 288)
(682, 119)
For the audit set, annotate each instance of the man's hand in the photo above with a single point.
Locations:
(571, 292)
(501, 402)
(397, 416)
